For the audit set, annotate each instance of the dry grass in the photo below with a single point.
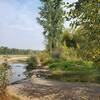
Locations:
(8, 97)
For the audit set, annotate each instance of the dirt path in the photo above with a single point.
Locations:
(42, 89)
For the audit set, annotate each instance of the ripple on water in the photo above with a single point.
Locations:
(16, 72)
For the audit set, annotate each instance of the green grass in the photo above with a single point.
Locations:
(75, 66)
(75, 71)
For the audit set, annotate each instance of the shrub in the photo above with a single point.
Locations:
(32, 63)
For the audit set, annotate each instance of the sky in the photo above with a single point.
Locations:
(18, 24)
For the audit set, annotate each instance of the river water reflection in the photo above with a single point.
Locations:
(16, 72)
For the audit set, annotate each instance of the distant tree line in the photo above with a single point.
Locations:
(14, 51)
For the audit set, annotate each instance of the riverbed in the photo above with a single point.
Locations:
(43, 89)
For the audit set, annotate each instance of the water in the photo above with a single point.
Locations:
(16, 72)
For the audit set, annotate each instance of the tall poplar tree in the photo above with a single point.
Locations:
(52, 19)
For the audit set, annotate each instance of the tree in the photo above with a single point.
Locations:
(52, 19)
(86, 13)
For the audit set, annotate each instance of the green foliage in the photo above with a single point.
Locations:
(32, 63)
(86, 13)
(71, 65)
(87, 49)
(51, 61)
(68, 40)
(52, 19)
(93, 77)
(75, 71)
(69, 54)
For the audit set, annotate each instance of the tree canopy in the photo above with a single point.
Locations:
(86, 14)
(52, 19)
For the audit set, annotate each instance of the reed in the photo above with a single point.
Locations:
(3, 81)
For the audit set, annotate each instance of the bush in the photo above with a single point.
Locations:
(32, 63)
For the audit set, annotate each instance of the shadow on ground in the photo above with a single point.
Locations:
(70, 91)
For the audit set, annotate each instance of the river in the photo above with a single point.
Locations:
(16, 72)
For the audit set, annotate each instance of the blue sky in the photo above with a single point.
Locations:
(18, 25)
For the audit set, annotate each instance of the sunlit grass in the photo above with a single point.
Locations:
(75, 71)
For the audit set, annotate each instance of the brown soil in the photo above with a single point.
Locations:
(6, 97)
(41, 89)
